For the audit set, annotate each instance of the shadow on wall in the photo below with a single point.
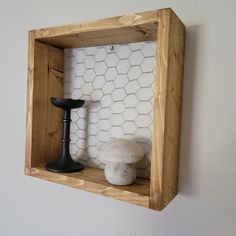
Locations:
(187, 170)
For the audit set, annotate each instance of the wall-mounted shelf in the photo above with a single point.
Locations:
(45, 79)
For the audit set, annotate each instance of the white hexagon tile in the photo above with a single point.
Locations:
(118, 84)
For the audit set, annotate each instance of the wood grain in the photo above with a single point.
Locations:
(92, 180)
(29, 109)
(121, 29)
(45, 79)
(167, 110)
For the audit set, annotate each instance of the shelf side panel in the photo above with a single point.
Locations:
(167, 110)
(45, 79)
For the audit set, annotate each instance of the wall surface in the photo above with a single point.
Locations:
(206, 203)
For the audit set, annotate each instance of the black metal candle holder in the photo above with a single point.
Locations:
(65, 164)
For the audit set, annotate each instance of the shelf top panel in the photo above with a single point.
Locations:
(135, 27)
(93, 180)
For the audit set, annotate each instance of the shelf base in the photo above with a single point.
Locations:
(93, 180)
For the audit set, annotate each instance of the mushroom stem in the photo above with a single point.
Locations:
(120, 173)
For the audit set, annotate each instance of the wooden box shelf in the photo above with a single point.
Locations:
(45, 79)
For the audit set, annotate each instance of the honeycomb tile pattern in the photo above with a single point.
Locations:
(117, 83)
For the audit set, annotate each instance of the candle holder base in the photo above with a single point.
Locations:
(61, 166)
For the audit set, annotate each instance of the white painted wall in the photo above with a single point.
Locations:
(206, 204)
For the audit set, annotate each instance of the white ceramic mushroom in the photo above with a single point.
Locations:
(119, 156)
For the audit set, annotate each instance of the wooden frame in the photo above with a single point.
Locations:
(45, 79)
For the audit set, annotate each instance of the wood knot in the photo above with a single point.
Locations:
(43, 32)
(129, 19)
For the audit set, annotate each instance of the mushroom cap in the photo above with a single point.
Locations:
(121, 151)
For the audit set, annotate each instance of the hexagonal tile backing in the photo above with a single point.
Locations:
(118, 86)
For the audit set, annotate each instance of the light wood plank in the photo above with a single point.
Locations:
(92, 180)
(121, 29)
(28, 134)
(167, 109)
